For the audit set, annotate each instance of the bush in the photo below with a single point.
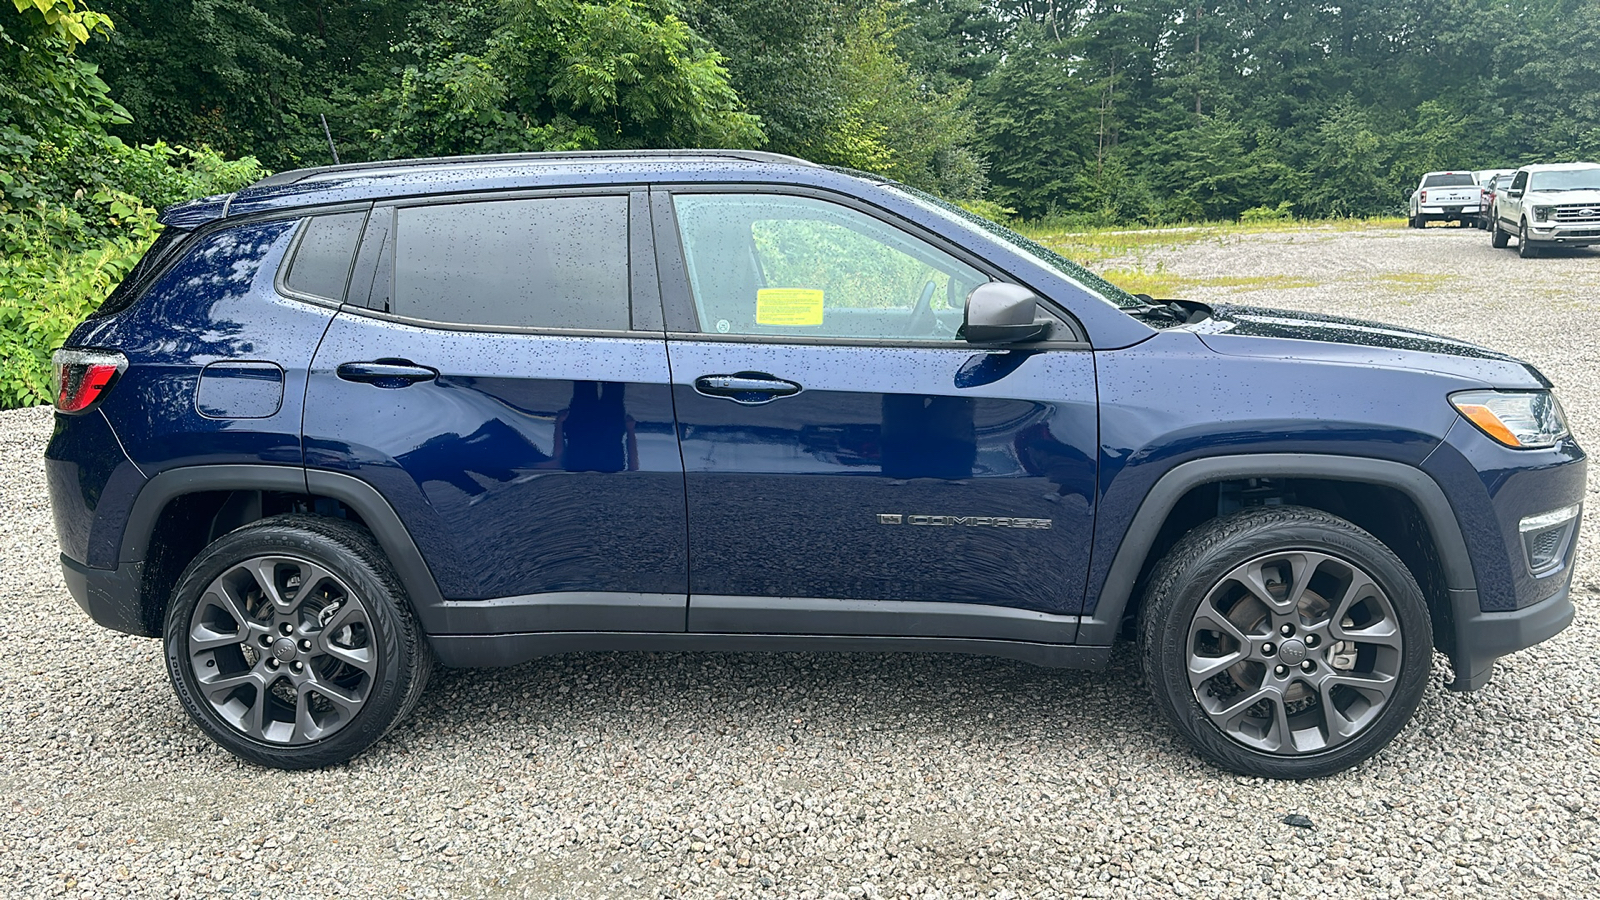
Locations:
(1283, 212)
(90, 215)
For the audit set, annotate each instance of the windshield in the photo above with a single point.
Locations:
(1044, 255)
(1448, 179)
(1565, 180)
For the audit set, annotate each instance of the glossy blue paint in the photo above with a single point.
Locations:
(531, 464)
(240, 389)
(92, 485)
(1493, 488)
(217, 304)
(785, 498)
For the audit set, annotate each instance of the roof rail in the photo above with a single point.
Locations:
(294, 176)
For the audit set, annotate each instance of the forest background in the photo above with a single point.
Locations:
(1087, 113)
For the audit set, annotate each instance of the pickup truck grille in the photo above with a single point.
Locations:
(1578, 212)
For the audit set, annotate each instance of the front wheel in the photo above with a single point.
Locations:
(1285, 642)
(291, 644)
(1499, 238)
(1525, 247)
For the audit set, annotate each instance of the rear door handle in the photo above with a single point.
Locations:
(746, 387)
(386, 373)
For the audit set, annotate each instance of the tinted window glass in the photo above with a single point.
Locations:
(558, 262)
(322, 261)
(766, 264)
(124, 294)
(1448, 180)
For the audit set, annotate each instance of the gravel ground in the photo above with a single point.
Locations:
(793, 775)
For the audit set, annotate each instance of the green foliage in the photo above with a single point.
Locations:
(77, 206)
(1256, 215)
(558, 75)
(45, 293)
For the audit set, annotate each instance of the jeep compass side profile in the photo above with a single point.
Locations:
(351, 422)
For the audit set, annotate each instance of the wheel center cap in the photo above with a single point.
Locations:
(1291, 652)
(283, 649)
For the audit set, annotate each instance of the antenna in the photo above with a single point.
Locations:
(329, 135)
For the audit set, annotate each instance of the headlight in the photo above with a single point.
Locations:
(1526, 420)
(1541, 213)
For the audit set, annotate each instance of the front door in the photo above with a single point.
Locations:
(851, 466)
(505, 389)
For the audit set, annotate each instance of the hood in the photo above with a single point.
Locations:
(1255, 331)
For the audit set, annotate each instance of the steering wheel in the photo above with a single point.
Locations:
(922, 318)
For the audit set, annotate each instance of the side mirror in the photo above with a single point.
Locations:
(1000, 313)
(1514, 193)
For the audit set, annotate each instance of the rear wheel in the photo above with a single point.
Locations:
(290, 643)
(1285, 642)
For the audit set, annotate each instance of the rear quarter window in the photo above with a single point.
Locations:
(321, 263)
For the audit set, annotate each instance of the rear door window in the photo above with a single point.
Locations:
(545, 262)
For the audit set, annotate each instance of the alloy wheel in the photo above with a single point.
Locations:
(282, 650)
(1294, 652)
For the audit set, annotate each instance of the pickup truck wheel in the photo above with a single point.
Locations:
(1498, 237)
(1285, 642)
(1414, 222)
(291, 644)
(1525, 247)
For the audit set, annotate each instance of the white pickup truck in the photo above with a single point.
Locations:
(1445, 196)
(1556, 205)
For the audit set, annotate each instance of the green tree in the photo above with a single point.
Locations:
(560, 74)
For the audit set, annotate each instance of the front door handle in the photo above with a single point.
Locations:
(746, 387)
(386, 373)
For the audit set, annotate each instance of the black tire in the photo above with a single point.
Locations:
(1414, 222)
(345, 663)
(1322, 672)
(1526, 248)
(1498, 237)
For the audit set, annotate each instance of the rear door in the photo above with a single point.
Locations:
(501, 379)
(852, 467)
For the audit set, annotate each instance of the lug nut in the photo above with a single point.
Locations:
(305, 645)
(297, 667)
(266, 640)
(1312, 640)
(273, 663)
(1308, 666)
(1268, 649)
(286, 628)
(1286, 630)
(1281, 671)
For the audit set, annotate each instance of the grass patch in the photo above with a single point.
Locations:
(1422, 281)
(1161, 284)
(1093, 245)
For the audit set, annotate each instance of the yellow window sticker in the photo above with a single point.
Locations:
(788, 306)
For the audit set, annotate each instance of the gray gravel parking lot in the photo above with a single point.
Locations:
(792, 775)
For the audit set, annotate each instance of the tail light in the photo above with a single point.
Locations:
(82, 378)
(1424, 196)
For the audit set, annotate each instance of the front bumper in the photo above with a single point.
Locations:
(1483, 637)
(1581, 234)
(111, 597)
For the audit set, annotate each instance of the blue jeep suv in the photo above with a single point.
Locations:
(352, 421)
